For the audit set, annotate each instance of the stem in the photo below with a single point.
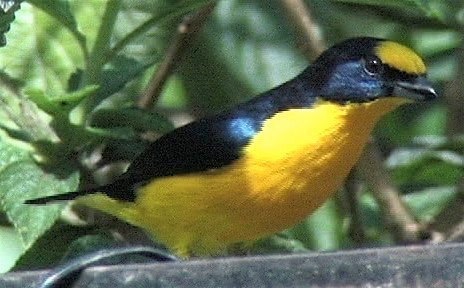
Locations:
(353, 189)
(450, 221)
(454, 98)
(309, 33)
(82, 41)
(397, 217)
(186, 31)
(97, 58)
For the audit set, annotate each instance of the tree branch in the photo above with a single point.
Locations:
(353, 188)
(186, 32)
(454, 98)
(449, 224)
(397, 217)
(310, 40)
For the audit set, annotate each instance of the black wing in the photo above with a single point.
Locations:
(201, 145)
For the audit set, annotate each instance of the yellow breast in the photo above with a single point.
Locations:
(302, 156)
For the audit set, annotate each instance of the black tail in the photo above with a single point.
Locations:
(64, 196)
(121, 189)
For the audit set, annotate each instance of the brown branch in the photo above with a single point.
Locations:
(186, 32)
(353, 189)
(310, 40)
(454, 98)
(397, 217)
(450, 222)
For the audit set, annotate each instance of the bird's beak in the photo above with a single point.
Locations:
(418, 89)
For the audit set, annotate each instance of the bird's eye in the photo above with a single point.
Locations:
(373, 65)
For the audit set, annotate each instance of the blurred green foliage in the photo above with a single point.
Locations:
(72, 71)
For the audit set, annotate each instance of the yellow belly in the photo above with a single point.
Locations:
(298, 160)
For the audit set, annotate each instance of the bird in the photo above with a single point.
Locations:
(267, 163)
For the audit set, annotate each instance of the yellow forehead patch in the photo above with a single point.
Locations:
(400, 57)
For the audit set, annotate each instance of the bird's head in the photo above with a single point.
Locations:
(365, 69)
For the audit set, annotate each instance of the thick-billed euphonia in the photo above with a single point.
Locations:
(266, 164)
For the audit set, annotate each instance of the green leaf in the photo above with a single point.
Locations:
(410, 121)
(431, 121)
(407, 156)
(426, 167)
(10, 248)
(159, 18)
(322, 229)
(279, 243)
(123, 133)
(60, 11)
(118, 73)
(429, 202)
(62, 238)
(384, 3)
(59, 105)
(9, 153)
(424, 204)
(98, 55)
(173, 95)
(7, 15)
(22, 180)
(137, 119)
(115, 76)
(41, 52)
(431, 9)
